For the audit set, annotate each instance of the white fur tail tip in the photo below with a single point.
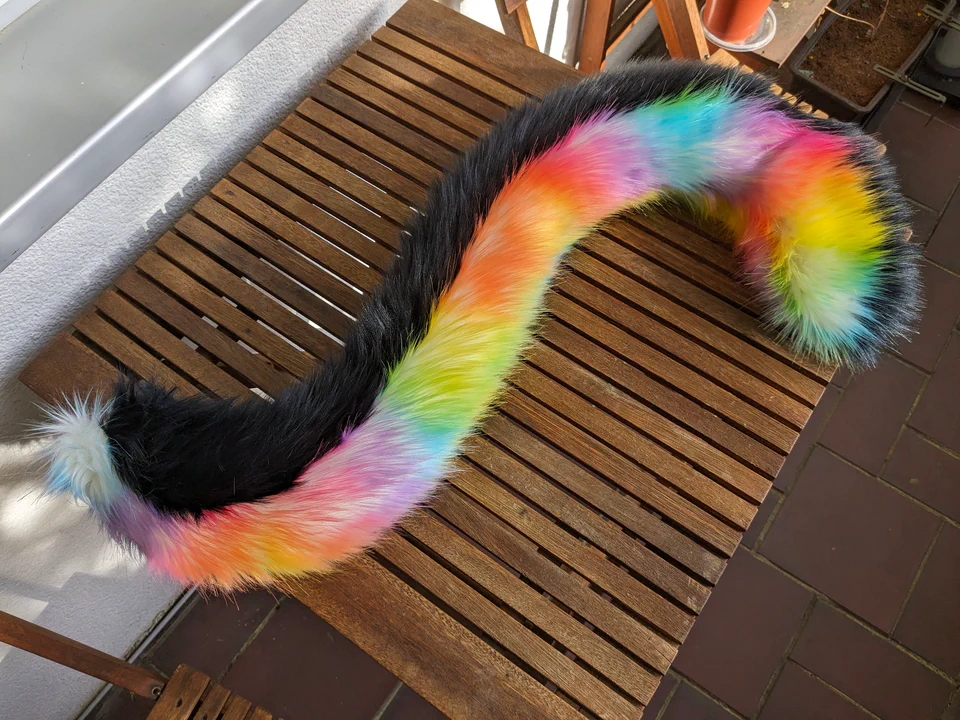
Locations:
(78, 451)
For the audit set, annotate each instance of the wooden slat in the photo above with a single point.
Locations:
(181, 695)
(258, 371)
(212, 703)
(224, 313)
(508, 588)
(417, 96)
(616, 467)
(299, 195)
(466, 677)
(607, 497)
(329, 242)
(440, 63)
(560, 570)
(680, 23)
(327, 111)
(235, 709)
(593, 37)
(516, 22)
(603, 533)
(404, 112)
(341, 179)
(40, 641)
(245, 295)
(66, 368)
(275, 252)
(666, 338)
(590, 563)
(510, 62)
(476, 103)
(504, 629)
(155, 337)
(263, 273)
(130, 353)
(524, 556)
(660, 396)
(660, 430)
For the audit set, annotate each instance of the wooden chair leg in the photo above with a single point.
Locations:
(516, 22)
(90, 661)
(593, 38)
(680, 23)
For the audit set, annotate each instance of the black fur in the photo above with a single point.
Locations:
(187, 456)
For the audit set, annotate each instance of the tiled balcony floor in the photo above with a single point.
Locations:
(843, 602)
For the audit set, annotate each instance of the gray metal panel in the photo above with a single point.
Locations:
(84, 83)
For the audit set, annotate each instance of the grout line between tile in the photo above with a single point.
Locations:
(836, 691)
(386, 703)
(887, 484)
(703, 691)
(770, 520)
(250, 639)
(816, 441)
(942, 267)
(673, 691)
(916, 578)
(940, 446)
(786, 656)
(827, 600)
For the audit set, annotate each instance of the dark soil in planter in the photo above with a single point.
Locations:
(844, 57)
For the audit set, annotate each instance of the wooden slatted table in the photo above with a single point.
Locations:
(564, 565)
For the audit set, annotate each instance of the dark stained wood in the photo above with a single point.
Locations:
(83, 658)
(235, 709)
(515, 17)
(181, 695)
(680, 23)
(466, 677)
(593, 37)
(68, 367)
(561, 568)
(212, 703)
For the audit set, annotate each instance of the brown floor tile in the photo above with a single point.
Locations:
(659, 698)
(944, 244)
(688, 703)
(923, 222)
(869, 669)
(938, 412)
(770, 503)
(926, 472)
(120, 704)
(941, 291)
(945, 113)
(930, 625)
(738, 640)
(842, 377)
(300, 668)
(800, 696)
(953, 707)
(871, 412)
(209, 634)
(407, 705)
(854, 539)
(808, 436)
(927, 155)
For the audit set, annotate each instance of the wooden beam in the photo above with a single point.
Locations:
(593, 38)
(641, 14)
(680, 23)
(516, 23)
(83, 658)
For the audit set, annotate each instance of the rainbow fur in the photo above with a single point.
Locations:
(821, 229)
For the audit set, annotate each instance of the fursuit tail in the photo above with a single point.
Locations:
(227, 494)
